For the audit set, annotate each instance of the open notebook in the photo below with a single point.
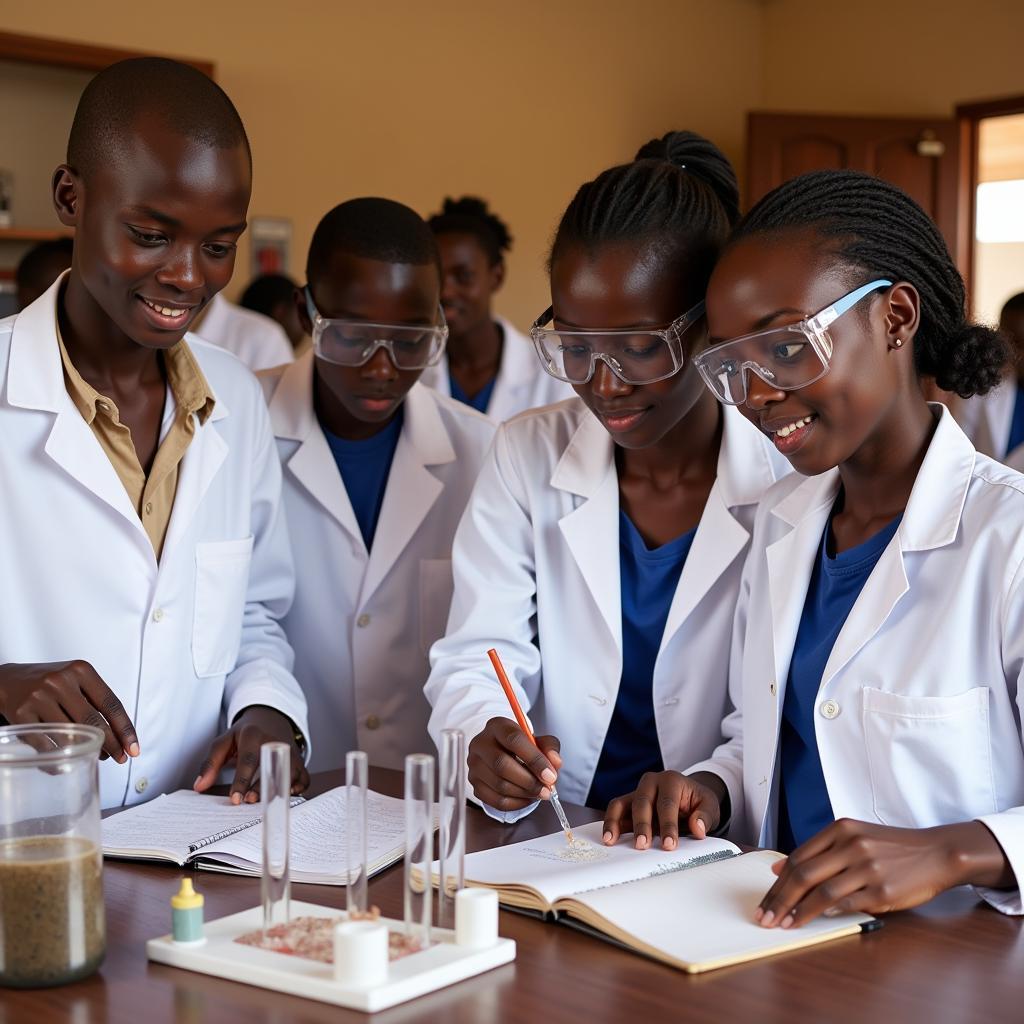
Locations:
(209, 832)
(691, 908)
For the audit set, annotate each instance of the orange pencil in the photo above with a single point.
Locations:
(499, 671)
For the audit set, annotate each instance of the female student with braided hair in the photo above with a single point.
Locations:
(879, 642)
(487, 364)
(602, 547)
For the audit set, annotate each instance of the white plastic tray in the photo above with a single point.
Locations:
(415, 975)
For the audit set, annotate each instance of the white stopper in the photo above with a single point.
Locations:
(476, 917)
(361, 953)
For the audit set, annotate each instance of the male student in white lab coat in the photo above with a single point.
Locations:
(488, 364)
(145, 557)
(377, 472)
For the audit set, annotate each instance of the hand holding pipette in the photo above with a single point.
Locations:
(546, 774)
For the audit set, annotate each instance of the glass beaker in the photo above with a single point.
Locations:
(52, 922)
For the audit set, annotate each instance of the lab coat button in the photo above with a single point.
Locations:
(772, 688)
(829, 709)
(158, 615)
(363, 621)
(142, 785)
(373, 722)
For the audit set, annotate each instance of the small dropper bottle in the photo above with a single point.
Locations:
(187, 914)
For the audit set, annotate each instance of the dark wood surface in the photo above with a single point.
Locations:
(953, 960)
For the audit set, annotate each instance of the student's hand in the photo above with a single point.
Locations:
(858, 866)
(507, 772)
(67, 691)
(241, 744)
(693, 800)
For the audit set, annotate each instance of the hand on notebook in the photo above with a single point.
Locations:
(507, 772)
(855, 865)
(690, 801)
(241, 743)
(68, 691)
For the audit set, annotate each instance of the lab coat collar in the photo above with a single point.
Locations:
(293, 417)
(35, 378)
(932, 516)
(584, 464)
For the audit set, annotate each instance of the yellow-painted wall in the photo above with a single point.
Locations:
(520, 101)
(890, 56)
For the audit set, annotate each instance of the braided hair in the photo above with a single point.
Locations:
(879, 231)
(470, 216)
(679, 197)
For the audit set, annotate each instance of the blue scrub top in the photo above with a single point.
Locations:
(364, 467)
(1017, 423)
(649, 579)
(836, 583)
(479, 401)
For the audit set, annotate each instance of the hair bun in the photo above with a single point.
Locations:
(693, 154)
(975, 359)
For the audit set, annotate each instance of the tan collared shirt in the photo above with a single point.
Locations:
(152, 496)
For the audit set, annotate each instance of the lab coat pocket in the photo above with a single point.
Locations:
(436, 588)
(930, 758)
(222, 580)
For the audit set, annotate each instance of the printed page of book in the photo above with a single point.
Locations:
(169, 827)
(551, 869)
(702, 918)
(318, 828)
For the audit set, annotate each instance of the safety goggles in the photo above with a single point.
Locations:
(786, 358)
(634, 356)
(356, 342)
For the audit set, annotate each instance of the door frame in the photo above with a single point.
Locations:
(61, 53)
(970, 115)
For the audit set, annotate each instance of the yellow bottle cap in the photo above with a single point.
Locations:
(187, 898)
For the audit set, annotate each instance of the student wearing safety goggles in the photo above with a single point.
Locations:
(878, 656)
(377, 471)
(601, 550)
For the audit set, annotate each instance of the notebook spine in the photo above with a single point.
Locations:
(669, 869)
(199, 844)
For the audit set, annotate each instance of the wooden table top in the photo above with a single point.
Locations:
(953, 960)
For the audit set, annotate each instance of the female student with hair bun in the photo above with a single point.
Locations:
(487, 364)
(601, 550)
(879, 641)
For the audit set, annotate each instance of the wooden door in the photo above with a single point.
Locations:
(921, 155)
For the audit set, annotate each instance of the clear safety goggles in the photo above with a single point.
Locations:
(634, 356)
(356, 342)
(786, 358)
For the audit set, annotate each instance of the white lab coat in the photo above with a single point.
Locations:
(185, 644)
(521, 384)
(536, 563)
(362, 623)
(986, 420)
(257, 340)
(918, 712)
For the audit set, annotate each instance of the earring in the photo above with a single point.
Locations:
(898, 343)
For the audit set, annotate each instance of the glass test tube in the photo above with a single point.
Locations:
(355, 839)
(452, 799)
(419, 847)
(275, 790)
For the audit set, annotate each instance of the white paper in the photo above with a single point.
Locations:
(706, 915)
(318, 838)
(170, 823)
(542, 865)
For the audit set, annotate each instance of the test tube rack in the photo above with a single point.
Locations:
(444, 963)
